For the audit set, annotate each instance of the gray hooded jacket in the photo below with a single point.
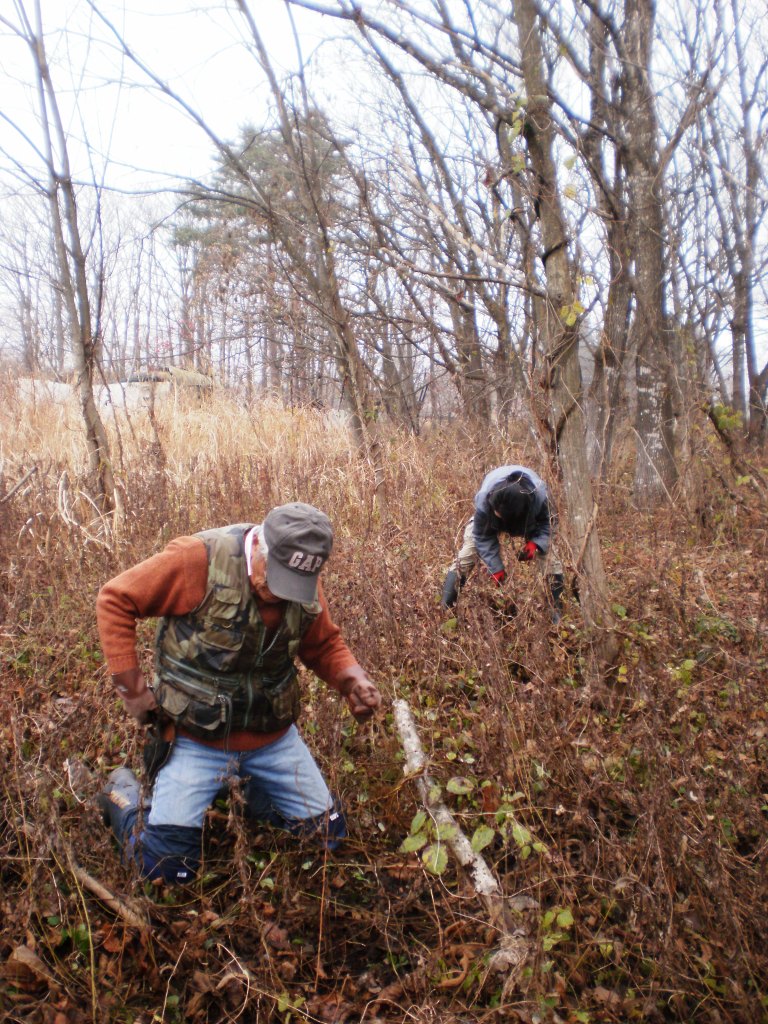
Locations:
(487, 526)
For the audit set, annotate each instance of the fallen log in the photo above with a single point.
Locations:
(515, 947)
(484, 882)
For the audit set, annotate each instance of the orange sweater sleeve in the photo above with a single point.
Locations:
(172, 582)
(323, 649)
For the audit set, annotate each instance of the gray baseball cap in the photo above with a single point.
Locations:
(299, 540)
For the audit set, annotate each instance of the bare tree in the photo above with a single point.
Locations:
(561, 380)
(733, 135)
(469, 69)
(308, 246)
(611, 49)
(26, 274)
(70, 245)
(452, 202)
(657, 409)
(605, 165)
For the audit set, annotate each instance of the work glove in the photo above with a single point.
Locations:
(362, 696)
(527, 552)
(499, 576)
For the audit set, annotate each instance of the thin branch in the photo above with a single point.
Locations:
(108, 898)
(20, 484)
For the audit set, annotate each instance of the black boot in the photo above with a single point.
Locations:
(556, 589)
(451, 587)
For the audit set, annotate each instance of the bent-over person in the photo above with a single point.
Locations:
(511, 500)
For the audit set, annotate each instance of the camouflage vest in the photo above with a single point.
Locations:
(218, 668)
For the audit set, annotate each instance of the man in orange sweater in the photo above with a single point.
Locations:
(236, 606)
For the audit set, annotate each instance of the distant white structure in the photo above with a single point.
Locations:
(139, 391)
(30, 390)
(143, 389)
(129, 396)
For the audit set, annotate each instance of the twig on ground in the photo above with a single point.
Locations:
(109, 899)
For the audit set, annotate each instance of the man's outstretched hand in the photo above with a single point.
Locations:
(138, 698)
(363, 698)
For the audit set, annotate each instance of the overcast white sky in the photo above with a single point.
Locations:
(198, 48)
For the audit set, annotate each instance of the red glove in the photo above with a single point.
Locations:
(527, 552)
(499, 576)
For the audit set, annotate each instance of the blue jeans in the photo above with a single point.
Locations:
(282, 786)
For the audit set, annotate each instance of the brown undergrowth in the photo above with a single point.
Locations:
(626, 818)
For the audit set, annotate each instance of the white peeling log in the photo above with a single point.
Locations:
(483, 880)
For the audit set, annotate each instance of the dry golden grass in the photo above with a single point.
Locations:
(647, 791)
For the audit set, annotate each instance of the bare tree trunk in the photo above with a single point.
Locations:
(608, 379)
(71, 260)
(472, 380)
(738, 390)
(657, 406)
(561, 379)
